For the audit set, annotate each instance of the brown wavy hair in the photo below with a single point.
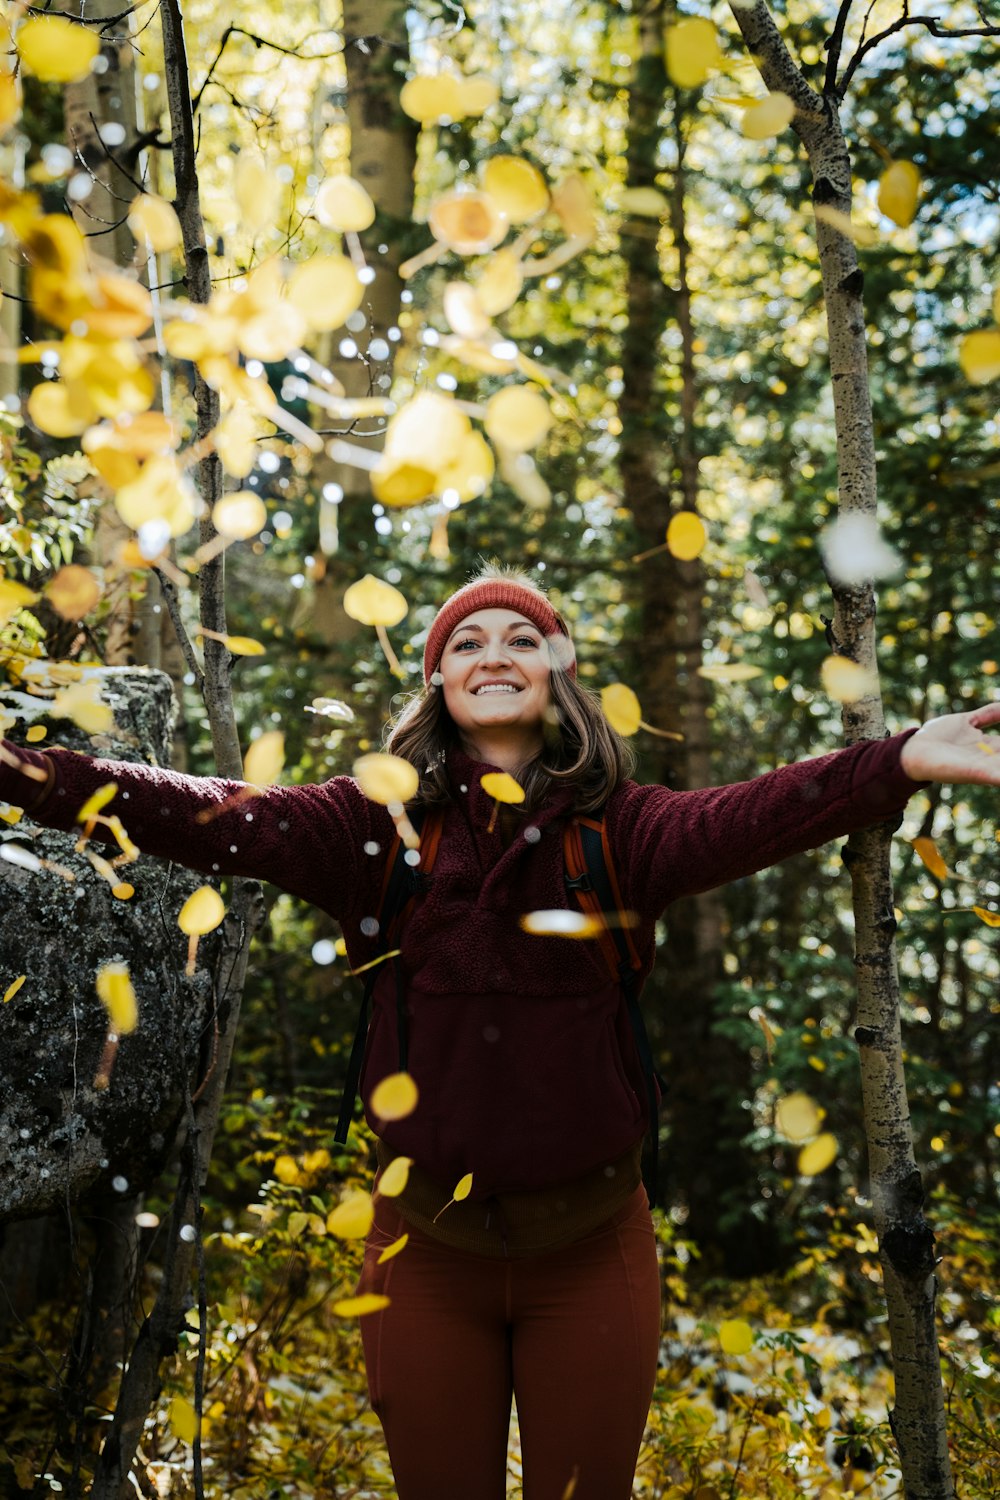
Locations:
(581, 750)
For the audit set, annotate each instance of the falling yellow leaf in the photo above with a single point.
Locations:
(393, 1249)
(239, 645)
(991, 918)
(257, 190)
(123, 891)
(265, 758)
(352, 1218)
(358, 1307)
(517, 417)
(12, 989)
(394, 1178)
(845, 680)
(73, 592)
(60, 410)
(502, 787)
(325, 290)
(286, 1170)
(393, 1098)
(467, 222)
(517, 187)
(643, 202)
(36, 734)
(768, 117)
(13, 598)
(686, 536)
(729, 671)
(930, 858)
(560, 922)
(56, 50)
(860, 234)
(979, 355)
(386, 778)
(202, 912)
(431, 97)
(154, 219)
(463, 1188)
(344, 204)
(500, 283)
(372, 602)
(183, 1419)
(82, 703)
(621, 708)
(239, 515)
(818, 1155)
(899, 192)
(97, 802)
(735, 1336)
(691, 51)
(797, 1117)
(114, 988)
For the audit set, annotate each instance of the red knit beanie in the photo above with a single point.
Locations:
(498, 593)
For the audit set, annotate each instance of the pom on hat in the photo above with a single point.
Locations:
(499, 593)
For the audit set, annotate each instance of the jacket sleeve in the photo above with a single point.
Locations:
(676, 844)
(307, 839)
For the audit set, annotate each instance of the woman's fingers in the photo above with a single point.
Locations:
(983, 718)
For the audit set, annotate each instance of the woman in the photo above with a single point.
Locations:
(543, 1282)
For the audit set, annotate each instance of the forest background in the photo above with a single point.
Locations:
(669, 309)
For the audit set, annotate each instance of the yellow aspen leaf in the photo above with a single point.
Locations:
(386, 778)
(991, 918)
(257, 191)
(691, 51)
(431, 97)
(686, 536)
(265, 758)
(643, 202)
(286, 1170)
(114, 988)
(325, 290)
(464, 311)
(621, 708)
(61, 410)
(470, 472)
(797, 1116)
(517, 187)
(463, 1188)
(817, 1063)
(517, 418)
(352, 1218)
(123, 891)
(394, 1097)
(561, 922)
(467, 222)
(979, 355)
(202, 912)
(183, 1419)
(930, 858)
(36, 734)
(81, 702)
(298, 1223)
(768, 117)
(393, 1179)
(860, 234)
(318, 1161)
(846, 681)
(729, 671)
(97, 802)
(500, 284)
(10, 106)
(899, 192)
(13, 598)
(73, 591)
(344, 204)
(735, 1336)
(370, 601)
(393, 1249)
(818, 1155)
(359, 1307)
(502, 787)
(154, 219)
(427, 431)
(12, 989)
(239, 515)
(476, 95)
(56, 50)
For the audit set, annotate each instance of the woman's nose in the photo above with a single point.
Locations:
(496, 653)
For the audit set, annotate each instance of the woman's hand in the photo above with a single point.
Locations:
(956, 747)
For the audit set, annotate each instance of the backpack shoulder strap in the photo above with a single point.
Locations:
(402, 882)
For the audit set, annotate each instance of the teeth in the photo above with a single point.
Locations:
(495, 687)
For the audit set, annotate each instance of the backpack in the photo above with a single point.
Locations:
(591, 883)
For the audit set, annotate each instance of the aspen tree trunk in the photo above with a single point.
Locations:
(906, 1240)
(383, 158)
(708, 1074)
(158, 1335)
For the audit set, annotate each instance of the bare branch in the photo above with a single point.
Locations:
(930, 23)
(172, 600)
(834, 45)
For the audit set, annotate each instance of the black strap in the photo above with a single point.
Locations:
(597, 879)
(403, 883)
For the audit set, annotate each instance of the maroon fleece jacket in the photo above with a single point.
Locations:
(518, 1044)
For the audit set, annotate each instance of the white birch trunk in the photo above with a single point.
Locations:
(906, 1241)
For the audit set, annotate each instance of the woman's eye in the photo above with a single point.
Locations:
(524, 640)
(461, 645)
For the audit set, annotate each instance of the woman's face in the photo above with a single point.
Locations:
(495, 671)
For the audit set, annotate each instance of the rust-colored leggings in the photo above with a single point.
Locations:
(573, 1334)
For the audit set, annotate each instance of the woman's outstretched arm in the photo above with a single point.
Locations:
(306, 839)
(679, 843)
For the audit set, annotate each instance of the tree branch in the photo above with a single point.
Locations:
(930, 23)
(834, 46)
